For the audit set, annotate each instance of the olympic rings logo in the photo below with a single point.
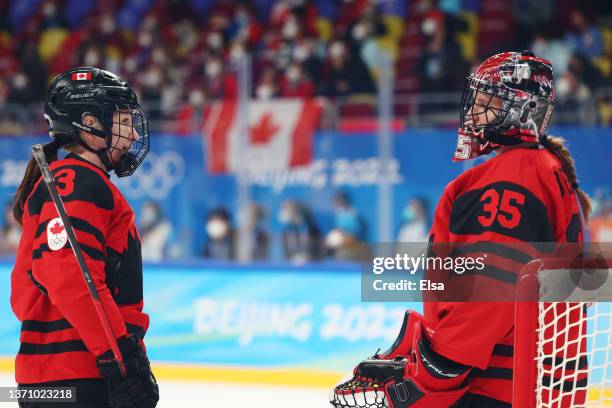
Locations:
(58, 241)
(156, 177)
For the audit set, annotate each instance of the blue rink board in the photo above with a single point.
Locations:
(274, 318)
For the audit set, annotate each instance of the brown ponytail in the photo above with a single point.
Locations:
(556, 145)
(31, 176)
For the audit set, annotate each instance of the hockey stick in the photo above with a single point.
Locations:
(41, 160)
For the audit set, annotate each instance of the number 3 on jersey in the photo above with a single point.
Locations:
(507, 213)
(64, 180)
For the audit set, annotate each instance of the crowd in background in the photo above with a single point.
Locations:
(300, 238)
(178, 53)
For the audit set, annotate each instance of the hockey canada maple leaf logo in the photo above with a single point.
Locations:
(57, 228)
(264, 130)
(56, 234)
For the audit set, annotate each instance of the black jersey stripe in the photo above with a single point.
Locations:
(493, 248)
(93, 253)
(496, 373)
(569, 364)
(135, 330)
(45, 327)
(52, 348)
(567, 385)
(503, 350)
(77, 224)
(494, 273)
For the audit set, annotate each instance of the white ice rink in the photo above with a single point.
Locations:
(200, 394)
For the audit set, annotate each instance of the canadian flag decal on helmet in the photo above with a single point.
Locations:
(81, 76)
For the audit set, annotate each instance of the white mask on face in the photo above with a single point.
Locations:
(336, 50)
(290, 29)
(293, 73)
(216, 228)
(92, 58)
(213, 69)
(264, 92)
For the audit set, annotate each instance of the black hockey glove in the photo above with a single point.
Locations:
(139, 388)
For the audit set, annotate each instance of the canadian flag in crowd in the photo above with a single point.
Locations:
(279, 137)
(81, 76)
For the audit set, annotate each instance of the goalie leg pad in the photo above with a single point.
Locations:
(420, 379)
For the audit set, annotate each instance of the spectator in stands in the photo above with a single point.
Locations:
(155, 232)
(441, 63)
(415, 221)
(10, 232)
(346, 73)
(585, 37)
(345, 240)
(258, 238)
(300, 235)
(221, 237)
(295, 83)
(267, 87)
(304, 54)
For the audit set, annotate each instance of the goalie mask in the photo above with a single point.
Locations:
(94, 92)
(508, 100)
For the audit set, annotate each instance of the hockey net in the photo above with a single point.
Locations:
(563, 342)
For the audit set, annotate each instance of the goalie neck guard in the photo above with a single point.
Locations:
(98, 93)
(507, 100)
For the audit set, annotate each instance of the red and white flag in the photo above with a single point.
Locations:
(81, 76)
(279, 136)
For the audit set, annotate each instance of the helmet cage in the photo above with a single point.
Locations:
(474, 110)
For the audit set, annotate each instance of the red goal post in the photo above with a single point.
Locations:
(563, 334)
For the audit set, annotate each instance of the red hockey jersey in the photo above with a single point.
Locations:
(61, 334)
(518, 197)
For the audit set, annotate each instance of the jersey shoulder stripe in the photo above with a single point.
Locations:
(76, 180)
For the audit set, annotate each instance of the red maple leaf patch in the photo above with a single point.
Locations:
(263, 131)
(57, 228)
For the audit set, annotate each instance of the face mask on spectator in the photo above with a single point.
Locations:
(108, 24)
(214, 40)
(428, 27)
(360, 31)
(216, 228)
(20, 81)
(196, 97)
(213, 69)
(145, 39)
(149, 216)
(159, 56)
(334, 239)
(301, 52)
(92, 58)
(237, 52)
(563, 87)
(49, 10)
(264, 91)
(152, 78)
(293, 73)
(336, 50)
(290, 29)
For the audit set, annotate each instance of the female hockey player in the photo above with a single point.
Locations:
(95, 116)
(459, 354)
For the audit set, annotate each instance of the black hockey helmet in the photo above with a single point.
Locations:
(84, 91)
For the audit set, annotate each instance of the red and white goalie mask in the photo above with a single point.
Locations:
(508, 100)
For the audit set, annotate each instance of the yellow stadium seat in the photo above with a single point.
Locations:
(603, 64)
(50, 42)
(467, 39)
(607, 37)
(324, 28)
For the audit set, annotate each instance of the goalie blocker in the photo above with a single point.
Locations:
(409, 374)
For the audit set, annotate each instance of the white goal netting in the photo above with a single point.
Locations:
(574, 349)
